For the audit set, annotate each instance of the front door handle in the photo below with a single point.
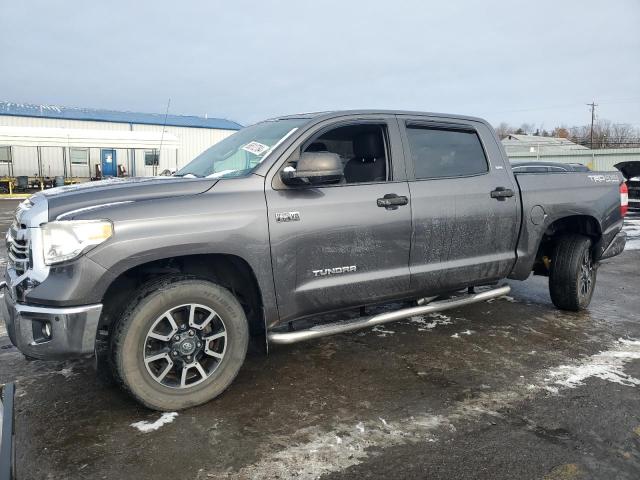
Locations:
(501, 193)
(391, 201)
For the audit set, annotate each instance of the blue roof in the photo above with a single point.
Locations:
(72, 113)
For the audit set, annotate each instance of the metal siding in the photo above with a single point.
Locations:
(94, 159)
(52, 161)
(192, 142)
(25, 161)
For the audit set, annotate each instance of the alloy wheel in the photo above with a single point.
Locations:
(185, 345)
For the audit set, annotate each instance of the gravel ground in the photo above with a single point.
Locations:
(510, 388)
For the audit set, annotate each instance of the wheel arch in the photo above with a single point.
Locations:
(230, 271)
(577, 224)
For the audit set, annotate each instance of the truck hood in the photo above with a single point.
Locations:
(629, 169)
(62, 200)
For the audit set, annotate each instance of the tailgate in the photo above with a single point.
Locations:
(7, 455)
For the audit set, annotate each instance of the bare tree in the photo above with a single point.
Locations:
(606, 134)
(503, 130)
(527, 128)
(560, 132)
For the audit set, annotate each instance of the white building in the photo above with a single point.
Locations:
(50, 141)
(552, 149)
(515, 143)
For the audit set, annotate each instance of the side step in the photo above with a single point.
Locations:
(285, 338)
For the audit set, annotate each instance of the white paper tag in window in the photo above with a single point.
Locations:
(256, 148)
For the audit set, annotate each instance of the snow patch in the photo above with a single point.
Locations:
(436, 319)
(504, 297)
(608, 365)
(146, 427)
(381, 331)
(66, 372)
(311, 453)
(466, 332)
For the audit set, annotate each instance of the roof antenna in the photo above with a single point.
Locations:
(164, 125)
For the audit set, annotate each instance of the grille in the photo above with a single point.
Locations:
(18, 249)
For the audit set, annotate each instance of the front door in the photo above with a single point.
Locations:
(333, 246)
(108, 159)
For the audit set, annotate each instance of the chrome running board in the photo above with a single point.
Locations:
(285, 338)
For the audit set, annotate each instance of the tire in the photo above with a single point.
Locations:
(572, 277)
(134, 343)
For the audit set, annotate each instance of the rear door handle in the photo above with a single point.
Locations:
(501, 193)
(391, 201)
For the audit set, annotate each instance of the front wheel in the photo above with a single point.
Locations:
(180, 343)
(572, 277)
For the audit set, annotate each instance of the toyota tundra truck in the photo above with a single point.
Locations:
(166, 278)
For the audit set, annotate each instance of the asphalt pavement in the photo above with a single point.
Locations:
(510, 388)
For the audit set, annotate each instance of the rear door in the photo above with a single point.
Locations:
(464, 204)
(333, 246)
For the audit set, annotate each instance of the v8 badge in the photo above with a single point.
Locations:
(288, 217)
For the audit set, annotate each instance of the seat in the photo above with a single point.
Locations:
(368, 163)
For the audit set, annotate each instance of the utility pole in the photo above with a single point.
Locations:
(593, 106)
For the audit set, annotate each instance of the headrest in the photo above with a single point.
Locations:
(368, 146)
(316, 147)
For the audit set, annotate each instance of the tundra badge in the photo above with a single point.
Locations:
(333, 271)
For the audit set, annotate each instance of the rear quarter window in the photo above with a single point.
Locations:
(438, 153)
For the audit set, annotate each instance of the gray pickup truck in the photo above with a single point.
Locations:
(166, 278)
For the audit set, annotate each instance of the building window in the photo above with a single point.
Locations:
(5, 154)
(151, 158)
(79, 156)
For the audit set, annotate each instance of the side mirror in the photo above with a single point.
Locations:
(314, 168)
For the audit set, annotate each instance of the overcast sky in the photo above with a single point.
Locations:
(536, 61)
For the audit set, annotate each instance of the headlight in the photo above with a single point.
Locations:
(64, 240)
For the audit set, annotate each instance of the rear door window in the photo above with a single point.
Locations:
(440, 152)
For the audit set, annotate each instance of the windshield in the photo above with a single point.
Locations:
(238, 154)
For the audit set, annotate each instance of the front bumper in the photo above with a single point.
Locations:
(50, 333)
(616, 246)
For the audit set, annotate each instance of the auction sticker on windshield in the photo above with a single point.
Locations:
(256, 148)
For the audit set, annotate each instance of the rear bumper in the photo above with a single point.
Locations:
(616, 246)
(7, 453)
(50, 333)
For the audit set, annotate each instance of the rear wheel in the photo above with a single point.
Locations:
(572, 277)
(180, 343)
